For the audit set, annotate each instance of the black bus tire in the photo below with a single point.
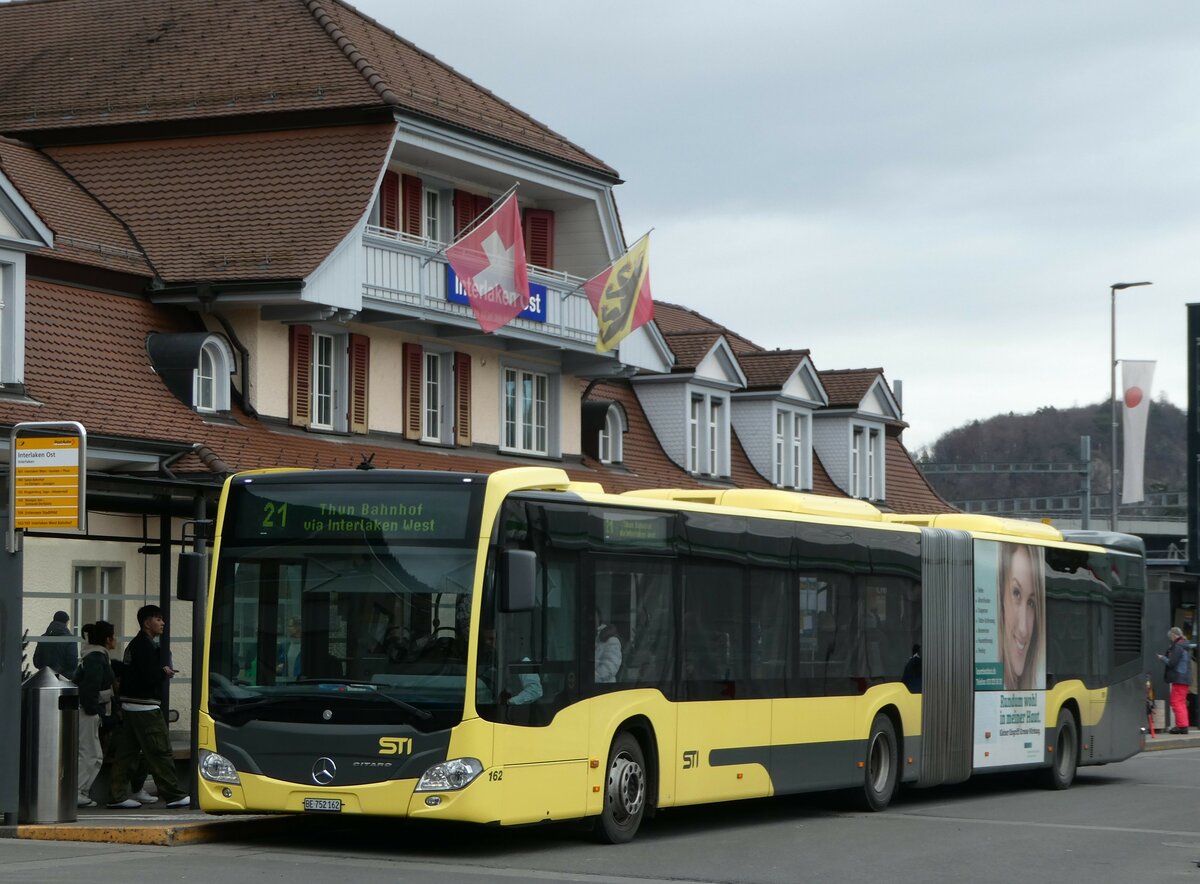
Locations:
(625, 785)
(1065, 758)
(881, 770)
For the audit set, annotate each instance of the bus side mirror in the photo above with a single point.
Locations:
(193, 569)
(518, 577)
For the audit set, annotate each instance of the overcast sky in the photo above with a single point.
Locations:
(943, 189)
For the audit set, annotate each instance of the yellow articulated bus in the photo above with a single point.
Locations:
(516, 648)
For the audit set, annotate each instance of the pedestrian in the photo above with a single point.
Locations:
(144, 675)
(1178, 663)
(61, 655)
(95, 680)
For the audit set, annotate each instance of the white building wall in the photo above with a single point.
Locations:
(269, 381)
(386, 391)
(755, 427)
(49, 586)
(665, 405)
(831, 441)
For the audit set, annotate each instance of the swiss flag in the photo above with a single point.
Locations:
(490, 263)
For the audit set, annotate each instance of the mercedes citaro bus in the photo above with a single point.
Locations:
(516, 647)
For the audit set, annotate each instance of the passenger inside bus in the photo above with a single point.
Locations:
(518, 685)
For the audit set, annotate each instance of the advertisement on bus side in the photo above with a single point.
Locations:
(1010, 654)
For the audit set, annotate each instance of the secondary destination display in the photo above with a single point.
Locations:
(344, 512)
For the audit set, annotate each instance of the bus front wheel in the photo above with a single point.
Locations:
(881, 769)
(624, 791)
(1061, 773)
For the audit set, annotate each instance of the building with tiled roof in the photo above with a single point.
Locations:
(217, 258)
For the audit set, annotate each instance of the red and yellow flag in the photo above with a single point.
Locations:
(620, 295)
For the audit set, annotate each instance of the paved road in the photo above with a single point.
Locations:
(1135, 821)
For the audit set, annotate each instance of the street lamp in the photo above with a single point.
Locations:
(1116, 287)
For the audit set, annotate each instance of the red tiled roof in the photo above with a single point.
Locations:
(908, 491)
(847, 387)
(673, 319)
(248, 206)
(690, 349)
(72, 64)
(421, 83)
(770, 369)
(83, 231)
(85, 360)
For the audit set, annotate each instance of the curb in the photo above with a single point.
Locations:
(166, 834)
(1175, 742)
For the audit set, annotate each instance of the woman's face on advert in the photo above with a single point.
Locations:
(1020, 613)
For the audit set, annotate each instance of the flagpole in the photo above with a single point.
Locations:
(570, 292)
(491, 210)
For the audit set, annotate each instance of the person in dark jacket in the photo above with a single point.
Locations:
(1178, 663)
(61, 656)
(95, 680)
(144, 673)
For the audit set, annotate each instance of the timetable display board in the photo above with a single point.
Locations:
(48, 487)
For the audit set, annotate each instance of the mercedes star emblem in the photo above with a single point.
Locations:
(324, 771)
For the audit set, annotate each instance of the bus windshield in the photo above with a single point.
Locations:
(351, 599)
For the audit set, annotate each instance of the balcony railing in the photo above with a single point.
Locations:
(407, 271)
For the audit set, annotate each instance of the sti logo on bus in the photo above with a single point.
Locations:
(395, 745)
(691, 759)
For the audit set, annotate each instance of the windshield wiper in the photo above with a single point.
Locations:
(420, 713)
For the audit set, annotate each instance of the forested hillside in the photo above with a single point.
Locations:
(1052, 434)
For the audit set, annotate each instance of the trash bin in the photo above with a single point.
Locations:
(49, 749)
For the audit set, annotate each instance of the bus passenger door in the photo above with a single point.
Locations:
(540, 743)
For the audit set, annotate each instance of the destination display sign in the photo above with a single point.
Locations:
(320, 512)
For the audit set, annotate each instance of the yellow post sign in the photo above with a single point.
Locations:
(47, 477)
(46, 487)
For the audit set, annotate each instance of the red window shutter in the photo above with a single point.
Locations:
(462, 399)
(482, 204)
(300, 372)
(411, 355)
(411, 187)
(389, 201)
(464, 211)
(360, 368)
(539, 237)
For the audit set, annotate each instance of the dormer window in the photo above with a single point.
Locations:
(791, 462)
(708, 435)
(211, 384)
(196, 368)
(604, 423)
(866, 462)
(612, 436)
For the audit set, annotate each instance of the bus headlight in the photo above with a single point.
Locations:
(457, 773)
(218, 768)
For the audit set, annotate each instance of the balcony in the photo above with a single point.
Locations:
(406, 277)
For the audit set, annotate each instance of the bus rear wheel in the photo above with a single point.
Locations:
(1061, 772)
(881, 770)
(624, 792)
